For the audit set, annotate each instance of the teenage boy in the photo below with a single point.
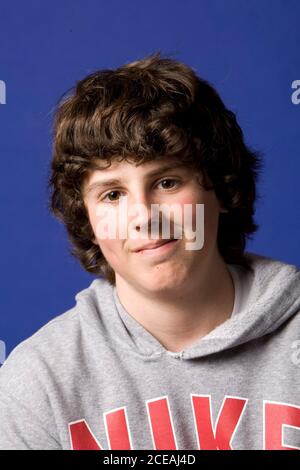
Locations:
(174, 345)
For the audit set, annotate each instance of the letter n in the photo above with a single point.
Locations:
(82, 437)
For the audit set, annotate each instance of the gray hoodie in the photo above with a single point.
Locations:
(95, 378)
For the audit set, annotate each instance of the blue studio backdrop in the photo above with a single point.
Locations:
(248, 49)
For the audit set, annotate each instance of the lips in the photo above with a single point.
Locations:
(151, 246)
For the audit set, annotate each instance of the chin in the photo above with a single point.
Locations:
(160, 281)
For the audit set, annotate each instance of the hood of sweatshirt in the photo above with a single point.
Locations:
(272, 299)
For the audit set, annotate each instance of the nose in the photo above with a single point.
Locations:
(140, 210)
(143, 218)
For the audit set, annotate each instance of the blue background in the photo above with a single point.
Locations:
(248, 49)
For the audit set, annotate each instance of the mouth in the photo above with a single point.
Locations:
(161, 249)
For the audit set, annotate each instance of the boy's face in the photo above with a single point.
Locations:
(161, 268)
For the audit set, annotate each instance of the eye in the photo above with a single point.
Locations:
(108, 194)
(114, 192)
(168, 181)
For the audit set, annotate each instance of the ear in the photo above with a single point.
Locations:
(94, 241)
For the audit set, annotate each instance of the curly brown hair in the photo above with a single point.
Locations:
(153, 108)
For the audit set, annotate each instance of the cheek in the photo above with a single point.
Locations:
(211, 210)
(112, 252)
(108, 243)
(92, 215)
(186, 201)
(211, 215)
(189, 211)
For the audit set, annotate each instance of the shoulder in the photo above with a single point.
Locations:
(267, 263)
(57, 345)
(38, 376)
(30, 358)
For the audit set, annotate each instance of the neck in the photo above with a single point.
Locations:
(178, 319)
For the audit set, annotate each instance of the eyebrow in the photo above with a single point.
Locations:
(116, 181)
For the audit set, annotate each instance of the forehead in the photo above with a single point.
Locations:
(121, 164)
